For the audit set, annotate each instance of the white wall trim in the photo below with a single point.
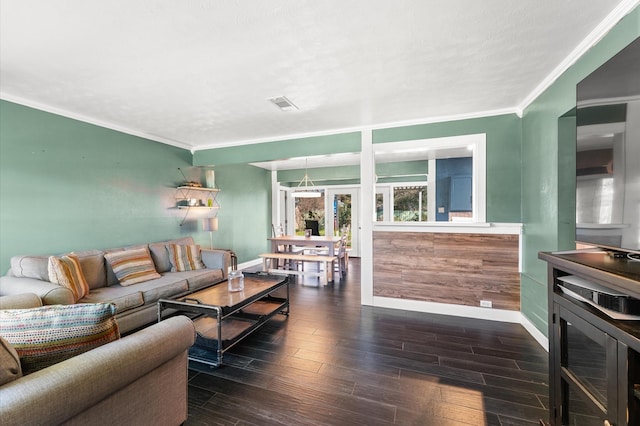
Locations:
(329, 132)
(451, 227)
(623, 9)
(477, 142)
(535, 333)
(249, 264)
(367, 216)
(86, 119)
(500, 315)
(369, 127)
(276, 213)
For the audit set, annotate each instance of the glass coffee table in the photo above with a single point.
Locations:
(223, 318)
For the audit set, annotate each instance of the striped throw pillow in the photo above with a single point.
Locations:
(132, 266)
(50, 334)
(66, 271)
(185, 257)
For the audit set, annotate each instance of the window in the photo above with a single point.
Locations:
(309, 213)
(430, 180)
(410, 203)
(402, 202)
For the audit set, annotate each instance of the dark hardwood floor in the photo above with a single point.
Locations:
(335, 362)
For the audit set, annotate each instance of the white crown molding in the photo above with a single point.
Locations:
(389, 125)
(445, 118)
(380, 126)
(59, 111)
(623, 9)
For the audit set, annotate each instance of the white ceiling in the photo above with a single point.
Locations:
(197, 74)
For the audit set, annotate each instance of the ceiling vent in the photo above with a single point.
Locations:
(283, 103)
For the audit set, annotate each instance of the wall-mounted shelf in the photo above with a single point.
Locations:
(197, 188)
(185, 195)
(198, 207)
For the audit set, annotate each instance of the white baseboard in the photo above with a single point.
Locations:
(501, 315)
(535, 333)
(249, 264)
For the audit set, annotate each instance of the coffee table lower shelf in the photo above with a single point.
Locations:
(235, 328)
(222, 318)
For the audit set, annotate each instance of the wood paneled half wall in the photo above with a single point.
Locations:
(451, 268)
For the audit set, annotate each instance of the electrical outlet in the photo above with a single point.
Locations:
(485, 303)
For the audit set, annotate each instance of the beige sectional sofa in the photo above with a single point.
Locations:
(136, 303)
(140, 379)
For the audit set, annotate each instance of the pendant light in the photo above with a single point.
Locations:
(306, 188)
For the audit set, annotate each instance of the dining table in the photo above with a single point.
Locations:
(314, 241)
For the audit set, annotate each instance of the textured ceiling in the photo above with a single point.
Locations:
(197, 74)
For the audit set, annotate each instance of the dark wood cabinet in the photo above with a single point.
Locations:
(594, 358)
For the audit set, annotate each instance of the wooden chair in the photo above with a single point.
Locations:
(342, 263)
(286, 263)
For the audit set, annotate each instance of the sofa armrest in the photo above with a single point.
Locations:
(51, 294)
(20, 301)
(70, 388)
(217, 259)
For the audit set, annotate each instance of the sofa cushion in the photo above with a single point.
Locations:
(30, 267)
(160, 255)
(185, 257)
(200, 278)
(93, 268)
(47, 335)
(66, 271)
(10, 368)
(132, 266)
(124, 298)
(167, 286)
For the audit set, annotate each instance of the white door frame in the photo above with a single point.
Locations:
(282, 210)
(354, 191)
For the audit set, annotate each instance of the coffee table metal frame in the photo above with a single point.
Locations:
(238, 309)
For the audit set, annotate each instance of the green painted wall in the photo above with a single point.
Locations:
(67, 185)
(401, 170)
(343, 175)
(504, 157)
(245, 210)
(547, 186)
(245, 199)
(326, 175)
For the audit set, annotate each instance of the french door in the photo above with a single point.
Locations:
(341, 212)
(336, 209)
